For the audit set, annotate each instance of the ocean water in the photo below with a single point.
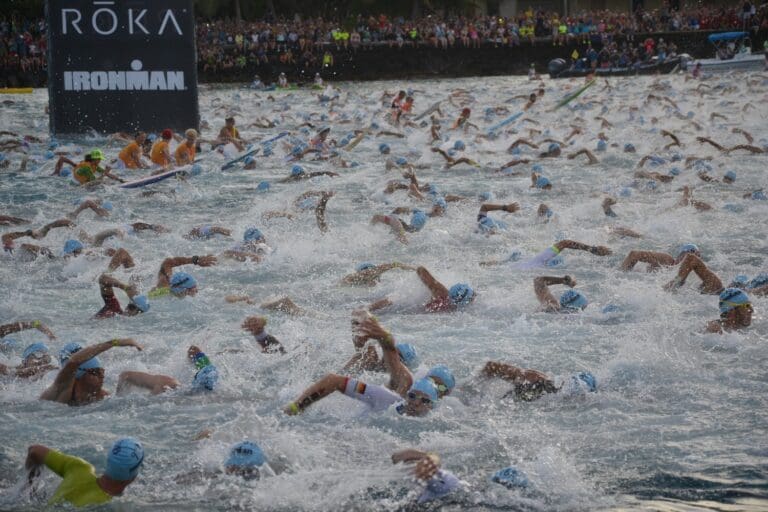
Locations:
(678, 421)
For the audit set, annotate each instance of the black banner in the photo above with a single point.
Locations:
(121, 65)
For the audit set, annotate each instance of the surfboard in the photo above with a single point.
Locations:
(504, 123)
(157, 178)
(574, 95)
(431, 109)
(16, 90)
(252, 151)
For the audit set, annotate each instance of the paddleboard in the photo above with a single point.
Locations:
(150, 180)
(431, 109)
(574, 95)
(16, 90)
(505, 122)
(252, 151)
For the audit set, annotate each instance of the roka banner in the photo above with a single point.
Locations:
(121, 65)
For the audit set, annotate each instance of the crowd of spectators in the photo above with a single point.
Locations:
(312, 43)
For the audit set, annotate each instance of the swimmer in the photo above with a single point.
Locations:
(656, 260)
(253, 247)
(400, 227)
(268, 343)
(185, 152)
(9, 239)
(591, 158)
(571, 301)
(439, 482)
(530, 385)
(180, 284)
(80, 379)
(687, 199)
(607, 210)
(489, 226)
(462, 122)
(553, 151)
(282, 81)
(99, 207)
(88, 170)
(540, 182)
(7, 220)
(281, 305)
(663, 178)
(138, 303)
(299, 174)
(413, 398)
(205, 378)
(710, 283)
(735, 312)
(366, 358)
(545, 257)
(245, 460)
(369, 274)
(207, 231)
(35, 362)
(161, 151)
(131, 155)
(443, 299)
(80, 486)
(452, 162)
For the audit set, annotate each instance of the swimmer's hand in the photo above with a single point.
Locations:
(206, 261)
(292, 409)
(203, 434)
(371, 328)
(569, 281)
(127, 342)
(600, 250)
(254, 324)
(45, 330)
(511, 207)
(427, 467)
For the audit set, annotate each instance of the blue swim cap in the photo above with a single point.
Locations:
(510, 477)
(556, 261)
(759, 195)
(151, 137)
(384, 148)
(87, 365)
(206, 378)
(72, 246)
(573, 300)
(431, 189)
(651, 185)
(263, 186)
(461, 294)
(625, 192)
(553, 147)
(253, 234)
(542, 182)
(35, 348)
(304, 130)
(459, 145)
(408, 355)
(141, 302)
(181, 281)
(426, 386)
(49, 155)
(297, 170)
(8, 344)
(516, 150)
(537, 168)
(364, 266)
(675, 171)
(67, 350)
(374, 125)
(582, 380)
(610, 308)
(731, 175)
(759, 280)
(513, 256)
(124, 459)
(730, 298)
(676, 157)
(602, 145)
(443, 483)
(196, 170)
(740, 281)
(486, 196)
(629, 148)
(245, 455)
(267, 150)
(445, 374)
(440, 202)
(66, 172)
(249, 160)
(418, 220)
(107, 205)
(401, 160)
(688, 248)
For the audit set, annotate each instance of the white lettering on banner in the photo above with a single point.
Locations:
(74, 22)
(135, 80)
(105, 21)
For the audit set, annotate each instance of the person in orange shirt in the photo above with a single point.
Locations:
(160, 153)
(229, 134)
(130, 156)
(185, 153)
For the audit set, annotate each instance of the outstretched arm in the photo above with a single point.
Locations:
(156, 384)
(545, 297)
(653, 259)
(427, 463)
(166, 268)
(11, 328)
(317, 391)
(436, 288)
(597, 250)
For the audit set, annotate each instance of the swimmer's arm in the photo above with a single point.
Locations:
(143, 226)
(545, 297)
(107, 283)
(707, 140)
(100, 237)
(11, 328)
(502, 371)
(488, 207)
(60, 163)
(166, 268)
(320, 211)
(317, 391)
(36, 455)
(592, 158)
(597, 250)
(437, 289)
(43, 231)
(156, 384)
(715, 327)
(427, 463)
(121, 258)
(400, 378)
(443, 154)
(231, 299)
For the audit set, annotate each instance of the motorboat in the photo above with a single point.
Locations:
(733, 52)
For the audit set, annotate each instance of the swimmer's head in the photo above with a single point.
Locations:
(573, 300)
(244, 459)
(92, 369)
(384, 148)
(461, 294)
(183, 284)
(732, 298)
(253, 234)
(297, 170)
(191, 134)
(543, 183)
(465, 112)
(124, 460)
(629, 148)
(96, 155)
(107, 205)
(553, 147)
(138, 304)
(729, 177)
(166, 134)
(72, 247)
(401, 160)
(511, 478)
(688, 249)
(440, 203)
(740, 281)
(758, 195)
(459, 145)
(67, 350)
(206, 379)
(408, 355)
(364, 266)
(582, 382)
(537, 168)
(759, 281)
(421, 397)
(418, 219)
(38, 351)
(443, 378)
(675, 171)
(442, 484)
(263, 186)
(7, 345)
(602, 145)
